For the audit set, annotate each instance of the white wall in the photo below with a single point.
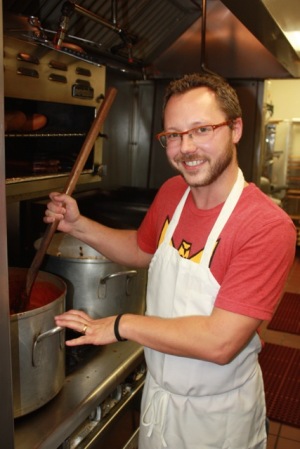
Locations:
(284, 95)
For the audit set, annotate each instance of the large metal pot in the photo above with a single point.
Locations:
(38, 355)
(95, 284)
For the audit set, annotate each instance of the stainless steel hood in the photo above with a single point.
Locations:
(244, 39)
(270, 21)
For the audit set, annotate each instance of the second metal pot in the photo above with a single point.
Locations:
(95, 284)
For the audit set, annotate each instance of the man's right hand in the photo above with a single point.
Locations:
(63, 208)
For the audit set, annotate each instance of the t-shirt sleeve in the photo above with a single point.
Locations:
(258, 271)
(146, 234)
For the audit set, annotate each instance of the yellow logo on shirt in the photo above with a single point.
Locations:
(185, 247)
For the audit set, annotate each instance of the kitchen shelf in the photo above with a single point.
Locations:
(293, 173)
(296, 220)
(291, 204)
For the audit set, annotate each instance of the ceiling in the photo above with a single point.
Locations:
(166, 38)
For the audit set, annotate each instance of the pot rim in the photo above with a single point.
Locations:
(38, 310)
(82, 260)
(42, 276)
(67, 247)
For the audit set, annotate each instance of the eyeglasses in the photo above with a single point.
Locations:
(200, 134)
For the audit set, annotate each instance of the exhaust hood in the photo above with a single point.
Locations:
(162, 38)
(276, 24)
(287, 17)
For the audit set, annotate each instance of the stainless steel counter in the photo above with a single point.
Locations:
(83, 391)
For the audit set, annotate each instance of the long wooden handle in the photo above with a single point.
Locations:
(71, 183)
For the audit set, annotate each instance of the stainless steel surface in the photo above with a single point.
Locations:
(243, 39)
(80, 83)
(264, 20)
(232, 50)
(17, 189)
(38, 350)
(114, 423)
(133, 442)
(287, 18)
(66, 246)
(82, 392)
(94, 283)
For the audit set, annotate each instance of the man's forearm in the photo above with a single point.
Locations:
(118, 245)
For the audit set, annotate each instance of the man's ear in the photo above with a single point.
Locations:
(237, 130)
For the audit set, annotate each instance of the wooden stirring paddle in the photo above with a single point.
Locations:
(22, 302)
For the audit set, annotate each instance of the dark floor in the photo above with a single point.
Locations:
(282, 436)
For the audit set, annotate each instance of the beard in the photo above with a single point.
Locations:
(213, 169)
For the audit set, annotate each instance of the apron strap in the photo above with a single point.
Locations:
(174, 221)
(155, 413)
(223, 217)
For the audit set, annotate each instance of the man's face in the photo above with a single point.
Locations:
(201, 162)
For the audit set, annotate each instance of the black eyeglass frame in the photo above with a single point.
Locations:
(181, 133)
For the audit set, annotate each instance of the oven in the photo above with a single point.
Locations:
(51, 99)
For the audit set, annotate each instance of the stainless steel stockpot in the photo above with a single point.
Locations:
(95, 284)
(37, 347)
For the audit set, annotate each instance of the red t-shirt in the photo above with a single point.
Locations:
(253, 254)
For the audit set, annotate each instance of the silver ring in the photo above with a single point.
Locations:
(84, 329)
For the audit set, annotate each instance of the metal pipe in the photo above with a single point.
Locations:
(67, 10)
(96, 18)
(114, 12)
(125, 37)
(203, 35)
(203, 39)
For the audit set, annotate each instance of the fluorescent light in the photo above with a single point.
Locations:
(294, 38)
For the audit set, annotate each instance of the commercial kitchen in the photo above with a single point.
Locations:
(60, 60)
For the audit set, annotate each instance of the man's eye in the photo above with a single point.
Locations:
(172, 136)
(202, 130)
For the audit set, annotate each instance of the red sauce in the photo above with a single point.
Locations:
(42, 293)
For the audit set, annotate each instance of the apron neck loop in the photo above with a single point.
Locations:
(224, 215)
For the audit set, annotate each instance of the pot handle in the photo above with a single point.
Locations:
(103, 281)
(41, 337)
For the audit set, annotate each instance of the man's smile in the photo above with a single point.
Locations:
(193, 163)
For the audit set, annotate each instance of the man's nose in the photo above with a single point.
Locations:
(187, 144)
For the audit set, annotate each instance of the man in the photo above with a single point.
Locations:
(218, 252)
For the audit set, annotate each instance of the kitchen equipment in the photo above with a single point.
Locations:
(73, 178)
(37, 346)
(94, 283)
(66, 92)
(75, 417)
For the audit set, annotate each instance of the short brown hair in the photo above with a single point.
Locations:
(226, 96)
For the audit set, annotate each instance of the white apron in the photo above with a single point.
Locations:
(189, 403)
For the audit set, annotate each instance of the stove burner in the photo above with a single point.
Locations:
(77, 356)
